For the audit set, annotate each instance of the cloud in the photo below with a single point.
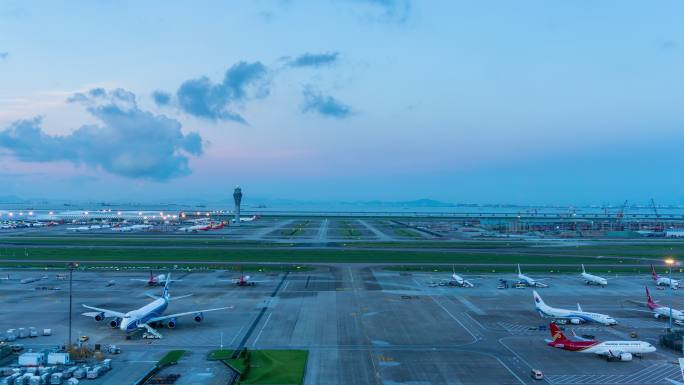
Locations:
(325, 105)
(128, 141)
(387, 10)
(215, 101)
(4, 55)
(161, 98)
(313, 60)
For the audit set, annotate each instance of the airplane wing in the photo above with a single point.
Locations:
(140, 280)
(107, 313)
(674, 382)
(162, 318)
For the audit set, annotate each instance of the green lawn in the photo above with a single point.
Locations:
(283, 367)
(427, 256)
(171, 358)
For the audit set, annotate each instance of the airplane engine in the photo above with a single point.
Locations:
(656, 315)
(625, 356)
(115, 323)
(575, 321)
(171, 323)
(99, 317)
(199, 317)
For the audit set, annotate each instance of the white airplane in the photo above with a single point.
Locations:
(454, 280)
(663, 311)
(593, 279)
(664, 281)
(681, 370)
(246, 219)
(529, 281)
(131, 228)
(155, 280)
(196, 228)
(612, 350)
(147, 317)
(575, 317)
(79, 229)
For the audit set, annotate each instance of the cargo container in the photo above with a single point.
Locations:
(34, 380)
(58, 358)
(107, 363)
(31, 359)
(22, 333)
(33, 332)
(47, 332)
(72, 381)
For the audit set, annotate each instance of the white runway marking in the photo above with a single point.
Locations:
(654, 374)
(262, 329)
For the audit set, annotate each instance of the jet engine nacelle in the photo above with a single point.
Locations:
(656, 315)
(575, 321)
(625, 356)
(99, 317)
(199, 317)
(171, 323)
(115, 323)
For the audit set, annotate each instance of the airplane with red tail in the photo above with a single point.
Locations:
(611, 350)
(664, 281)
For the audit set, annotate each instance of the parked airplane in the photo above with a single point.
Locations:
(155, 280)
(663, 311)
(575, 317)
(612, 350)
(664, 281)
(124, 229)
(243, 280)
(454, 280)
(593, 279)
(529, 281)
(147, 317)
(195, 228)
(246, 219)
(217, 226)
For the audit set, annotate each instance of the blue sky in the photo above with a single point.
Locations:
(492, 101)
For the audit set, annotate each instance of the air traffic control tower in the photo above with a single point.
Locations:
(237, 197)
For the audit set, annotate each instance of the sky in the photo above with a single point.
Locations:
(528, 102)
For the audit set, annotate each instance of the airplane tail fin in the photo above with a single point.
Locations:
(519, 271)
(166, 294)
(556, 334)
(649, 300)
(654, 274)
(583, 271)
(579, 308)
(537, 299)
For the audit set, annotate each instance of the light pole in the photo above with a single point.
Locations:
(669, 262)
(71, 266)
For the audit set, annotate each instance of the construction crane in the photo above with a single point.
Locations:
(655, 208)
(621, 214)
(658, 226)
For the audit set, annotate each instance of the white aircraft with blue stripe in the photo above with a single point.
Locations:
(575, 317)
(148, 316)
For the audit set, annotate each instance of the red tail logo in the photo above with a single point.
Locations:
(654, 274)
(649, 301)
(556, 334)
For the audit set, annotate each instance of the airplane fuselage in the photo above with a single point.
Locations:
(576, 316)
(594, 279)
(132, 319)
